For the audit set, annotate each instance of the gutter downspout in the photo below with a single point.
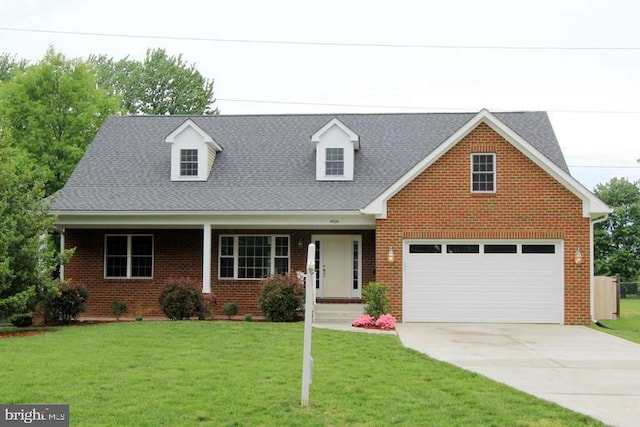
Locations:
(591, 267)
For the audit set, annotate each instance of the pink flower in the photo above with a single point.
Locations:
(364, 321)
(386, 321)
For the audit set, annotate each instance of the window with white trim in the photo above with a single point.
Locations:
(334, 162)
(483, 173)
(189, 162)
(252, 256)
(128, 256)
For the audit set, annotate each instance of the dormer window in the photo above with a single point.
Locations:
(334, 162)
(336, 145)
(189, 162)
(193, 152)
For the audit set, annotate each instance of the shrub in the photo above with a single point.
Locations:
(230, 309)
(248, 317)
(180, 300)
(118, 308)
(376, 296)
(386, 321)
(281, 297)
(138, 318)
(21, 320)
(364, 321)
(67, 305)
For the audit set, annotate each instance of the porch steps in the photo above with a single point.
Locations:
(337, 313)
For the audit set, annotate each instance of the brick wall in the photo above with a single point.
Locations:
(178, 253)
(528, 204)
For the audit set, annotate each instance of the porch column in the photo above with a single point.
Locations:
(206, 259)
(61, 277)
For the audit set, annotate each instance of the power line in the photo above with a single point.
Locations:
(407, 107)
(321, 43)
(604, 167)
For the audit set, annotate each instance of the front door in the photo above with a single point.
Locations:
(338, 263)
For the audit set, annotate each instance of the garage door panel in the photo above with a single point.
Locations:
(484, 287)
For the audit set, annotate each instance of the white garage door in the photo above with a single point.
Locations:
(495, 281)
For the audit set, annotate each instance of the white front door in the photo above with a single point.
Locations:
(339, 265)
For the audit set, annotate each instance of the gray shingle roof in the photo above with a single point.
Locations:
(267, 162)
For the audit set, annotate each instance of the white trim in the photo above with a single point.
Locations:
(252, 220)
(129, 237)
(353, 137)
(355, 293)
(236, 254)
(591, 205)
(61, 271)
(206, 258)
(495, 173)
(190, 124)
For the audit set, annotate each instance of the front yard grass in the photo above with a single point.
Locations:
(627, 326)
(248, 374)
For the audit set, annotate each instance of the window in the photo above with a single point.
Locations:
(128, 256)
(500, 249)
(356, 265)
(425, 249)
(334, 161)
(463, 249)
(189, 162)
(253, 257)
(538, 249)
(483, 173)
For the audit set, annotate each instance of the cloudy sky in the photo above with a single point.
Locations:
(577, 59)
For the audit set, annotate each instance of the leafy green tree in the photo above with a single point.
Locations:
(52, 111)
(161, 84)
(9, 64)
(28, 256)
(617, 240)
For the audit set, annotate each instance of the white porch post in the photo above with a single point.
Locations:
(61, 278)
(206, 259)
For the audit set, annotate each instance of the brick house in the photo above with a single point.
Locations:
(466, 217)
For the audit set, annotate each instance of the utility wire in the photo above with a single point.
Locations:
(320, 43)
(406, 107)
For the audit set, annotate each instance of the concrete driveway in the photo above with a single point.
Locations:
(579, 368)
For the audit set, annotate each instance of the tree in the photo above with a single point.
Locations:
(52, 111)
(617, 240)
(28, 257)
(9, 64)
(161, 84)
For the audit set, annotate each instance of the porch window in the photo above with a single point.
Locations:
(252, 257)
(128, 256)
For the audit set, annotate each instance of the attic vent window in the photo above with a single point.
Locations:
(189, 162)
(334, 164)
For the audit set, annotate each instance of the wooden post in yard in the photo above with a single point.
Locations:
(307, 360)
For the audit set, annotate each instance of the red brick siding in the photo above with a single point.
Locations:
(178, 253)
(528, 204)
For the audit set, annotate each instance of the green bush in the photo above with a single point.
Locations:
(281, 297)
(21, 320)
(248, 317)
(230, 309)
(118, 308)
(67, 305)
(375, 293)
(138, 318)
(180, 300)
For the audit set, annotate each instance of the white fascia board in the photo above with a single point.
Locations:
(353, 137)
(189, 123)
(262, 220)
(591, 205)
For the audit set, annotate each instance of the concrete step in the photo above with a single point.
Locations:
(337, 313)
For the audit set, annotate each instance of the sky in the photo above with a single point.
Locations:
(366, 56)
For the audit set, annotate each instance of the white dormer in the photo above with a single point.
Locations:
(192, 152)
(335, 151)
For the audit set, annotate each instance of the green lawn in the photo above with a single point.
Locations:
(248, 374)
(627, 326)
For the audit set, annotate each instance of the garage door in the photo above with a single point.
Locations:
(495, 281)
